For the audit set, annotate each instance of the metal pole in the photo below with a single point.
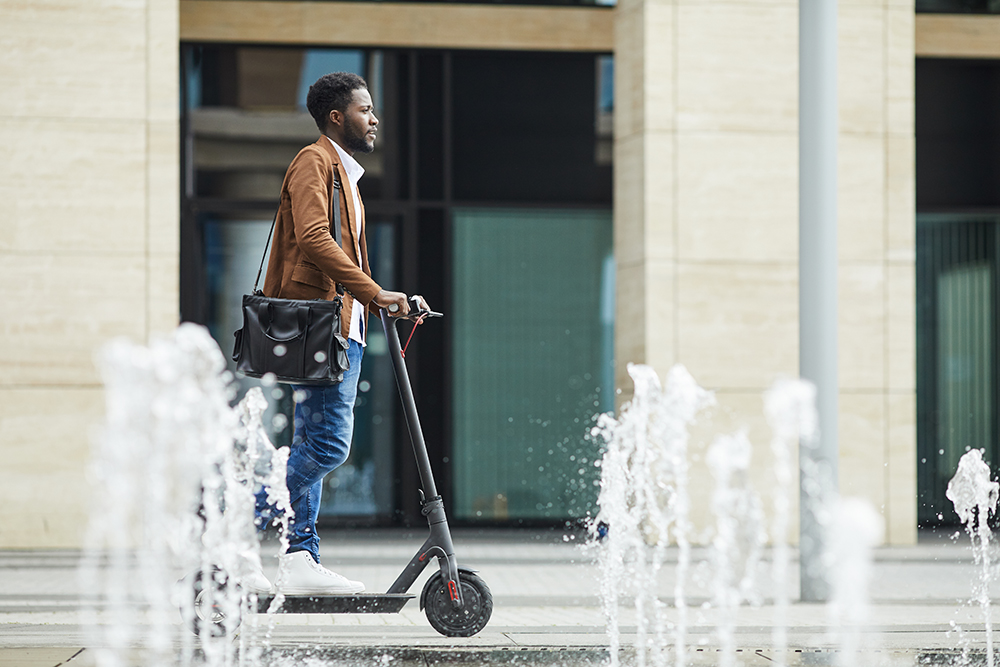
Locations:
(817, 279)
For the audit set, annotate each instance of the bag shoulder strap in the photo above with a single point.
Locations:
(337, 234)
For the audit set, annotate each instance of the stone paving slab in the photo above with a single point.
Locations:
(514, 657)
(39, 657)
(546, 609)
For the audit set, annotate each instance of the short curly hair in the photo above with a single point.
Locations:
(332, 91)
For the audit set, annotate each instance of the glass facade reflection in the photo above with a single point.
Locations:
(957, 400)
(474, 147)
(959, 6)
(957, 273)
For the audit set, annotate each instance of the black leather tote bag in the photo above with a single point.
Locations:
(298, 341)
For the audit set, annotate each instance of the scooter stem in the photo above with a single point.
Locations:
(438, 544)
(409, 406)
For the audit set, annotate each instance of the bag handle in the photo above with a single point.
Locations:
(303, 317)
(337, 235)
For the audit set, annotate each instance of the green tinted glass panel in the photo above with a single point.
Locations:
(957, 310)
(533, 325)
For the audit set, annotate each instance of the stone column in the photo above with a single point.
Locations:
(877, 261)
(706, 223)
(89, 196)
(645, 185)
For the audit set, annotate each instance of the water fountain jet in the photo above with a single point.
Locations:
(856, 529)
(975, 497)
(644, 503)
(790, 406)
(174, 472)
(739, 536)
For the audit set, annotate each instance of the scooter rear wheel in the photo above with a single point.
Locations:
(205, 618)
(470, 618)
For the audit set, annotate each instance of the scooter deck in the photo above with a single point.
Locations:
(372, 603)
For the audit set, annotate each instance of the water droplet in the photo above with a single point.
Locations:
(320, 356)
(280, 350)
(268, 379)
(364, 385)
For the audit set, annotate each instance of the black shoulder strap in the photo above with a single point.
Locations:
(267, 245)
(336, 209)
(337, 233)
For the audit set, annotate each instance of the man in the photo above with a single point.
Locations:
(307, 263)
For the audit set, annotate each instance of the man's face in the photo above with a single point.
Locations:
(359, 123)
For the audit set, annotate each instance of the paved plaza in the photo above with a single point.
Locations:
(547, 610)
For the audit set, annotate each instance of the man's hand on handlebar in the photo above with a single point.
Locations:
(386, 299)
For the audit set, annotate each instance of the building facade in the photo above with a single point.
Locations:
(580, 187)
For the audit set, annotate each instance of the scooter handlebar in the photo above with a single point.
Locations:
(415, 312)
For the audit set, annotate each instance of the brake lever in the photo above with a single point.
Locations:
(416, 315)
(417, 312)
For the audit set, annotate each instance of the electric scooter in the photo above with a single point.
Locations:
(456, 601)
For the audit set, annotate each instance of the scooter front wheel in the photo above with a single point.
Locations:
(465, 621)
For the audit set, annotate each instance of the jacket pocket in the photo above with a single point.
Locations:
(310, 274)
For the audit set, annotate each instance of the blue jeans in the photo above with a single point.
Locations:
(324, 425)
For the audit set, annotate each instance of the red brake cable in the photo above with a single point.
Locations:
(417, 323)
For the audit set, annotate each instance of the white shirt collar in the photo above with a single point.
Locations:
(353, 168)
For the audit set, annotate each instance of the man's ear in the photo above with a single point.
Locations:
(335, 117)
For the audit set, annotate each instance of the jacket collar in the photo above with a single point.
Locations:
(327, 146)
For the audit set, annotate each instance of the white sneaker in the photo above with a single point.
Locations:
(304, 576)
(256, 581)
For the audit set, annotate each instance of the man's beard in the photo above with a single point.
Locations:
(355, 141)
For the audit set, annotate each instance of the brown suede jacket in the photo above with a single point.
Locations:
(306, 262)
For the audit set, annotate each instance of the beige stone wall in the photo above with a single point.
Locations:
(706, 224)
(399, 24)
(88, 234)
(878, 457)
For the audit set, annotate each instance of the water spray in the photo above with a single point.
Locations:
(975, 497)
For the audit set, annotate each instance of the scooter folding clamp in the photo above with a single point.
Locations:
(431, 504)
